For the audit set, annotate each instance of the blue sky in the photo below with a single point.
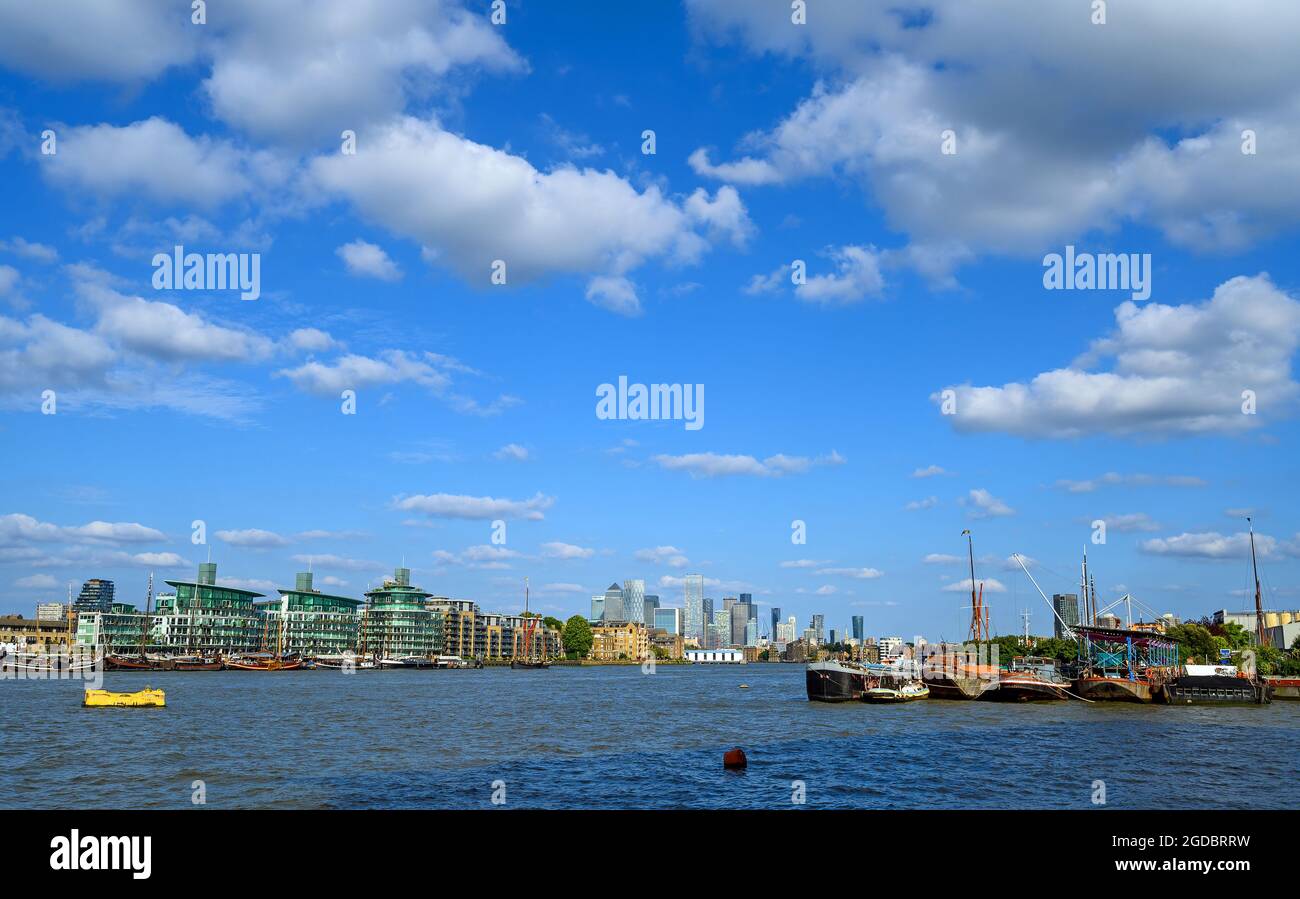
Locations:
(774, 142)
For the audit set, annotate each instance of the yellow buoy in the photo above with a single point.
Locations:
(141, 699)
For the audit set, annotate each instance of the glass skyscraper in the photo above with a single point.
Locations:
(739, 619)
(96, 596)
(857, 628)
(634, 600)
(776, 621)
(614, 610)
(650, 603)
(1066, 606)
(693, 588)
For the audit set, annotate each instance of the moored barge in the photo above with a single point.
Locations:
(1214, 685)
(1120, 665)
(1027, 680)
(835, 681)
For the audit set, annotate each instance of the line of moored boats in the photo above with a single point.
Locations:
(1030, 679)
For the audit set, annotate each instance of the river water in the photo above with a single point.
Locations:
(613, 737)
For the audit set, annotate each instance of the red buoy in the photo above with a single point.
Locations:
(734, 758)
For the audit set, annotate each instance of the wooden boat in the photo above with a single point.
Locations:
(262, 662)
(953, 677)
(959, 675)
(909, 692)
(130, 663)
(141, 699)
(1027, 680)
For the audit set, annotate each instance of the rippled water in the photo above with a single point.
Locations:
(612, 737)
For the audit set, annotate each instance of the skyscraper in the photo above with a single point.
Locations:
(739, 618)
(598, 607)
(634, 600)
(857, 628)
(96, 596)
(1066, 606)
(721, 629)
(693, 606)
(776, 622)
(614, 610)
(650, 603)
(819, 627)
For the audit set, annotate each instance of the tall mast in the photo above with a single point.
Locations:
(528, 626)
(1259, 603)
(976, 626)
(284, 615)
(1083, 587)
(144, 625)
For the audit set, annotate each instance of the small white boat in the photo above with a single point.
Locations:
(407, 662)
(908, 692)
(51, 664)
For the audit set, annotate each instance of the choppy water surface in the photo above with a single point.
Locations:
(612, 737)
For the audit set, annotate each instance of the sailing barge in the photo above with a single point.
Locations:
(960, 675)
(1028, 679)
(530, 659)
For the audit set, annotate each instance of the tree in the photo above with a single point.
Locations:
(1269, 660)
(1236, 635)
(1061, 650)
(553, 623)
(1196, 642)
(577, 636)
